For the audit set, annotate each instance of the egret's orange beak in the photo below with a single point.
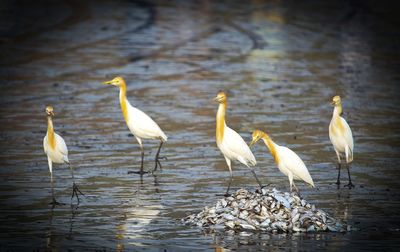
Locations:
(108, 82)
(253, 142)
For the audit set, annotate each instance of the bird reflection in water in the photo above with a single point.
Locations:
(133, 224)
(52, 237)
(155, 182)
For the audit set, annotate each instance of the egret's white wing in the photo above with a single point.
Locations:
(293, 163)
(61, 147)
(348, 135)
(142, 125)
(236, 147)
(45, 144)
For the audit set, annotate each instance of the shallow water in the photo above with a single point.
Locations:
(280, 63)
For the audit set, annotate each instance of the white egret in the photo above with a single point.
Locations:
(288, 162)
(140, 124)
(341, 137)
(231, 144)
(57, 152)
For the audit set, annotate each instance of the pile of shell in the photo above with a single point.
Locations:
(266, 210)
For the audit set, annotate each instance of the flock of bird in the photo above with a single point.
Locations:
(230, 143)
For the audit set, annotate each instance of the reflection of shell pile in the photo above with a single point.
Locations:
(269, 210)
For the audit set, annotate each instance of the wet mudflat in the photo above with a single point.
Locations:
(280, 64)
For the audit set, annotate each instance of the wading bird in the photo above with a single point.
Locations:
(231, 144)
(287, 161)
(140, 124)
(57, 152)
(341, 137)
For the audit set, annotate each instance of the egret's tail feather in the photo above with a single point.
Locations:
(163, 137)
(247, 162)
(349, 157)
(252, 162)
(308, 179)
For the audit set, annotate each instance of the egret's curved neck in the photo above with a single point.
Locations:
(50, 132)
(122, 101)
(271, 146)
(220, 122)
(337, 120)
(337, 111)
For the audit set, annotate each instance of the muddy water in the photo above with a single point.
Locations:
(280, 64)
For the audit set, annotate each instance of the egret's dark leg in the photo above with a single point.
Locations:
(339, 167)
(156, 184)
(53, 202)
(157, 157)
(228, 162)
(338, 177)
(229, 185)
(52, 188)
(141, 172)
(141, 179)
(142, 162)
(297, 189)
(255, 175)
(75, 189)
(349, 185)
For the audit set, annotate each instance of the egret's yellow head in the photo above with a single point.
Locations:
(336, 101)
(257, 135)
(49, 111)
(221, 97)
(117, 81)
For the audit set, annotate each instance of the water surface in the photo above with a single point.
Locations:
(279, 62)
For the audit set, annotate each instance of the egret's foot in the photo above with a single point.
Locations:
(259, 190)
(75, 192)
(54, 203)
(296, 192)
(265, 186)
(138, 172)
(158, 163)
(349, 185)
(153, 172)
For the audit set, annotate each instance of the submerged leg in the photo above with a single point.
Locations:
(350, 184)
(54, 202)
(75, 189)
(158, 157)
